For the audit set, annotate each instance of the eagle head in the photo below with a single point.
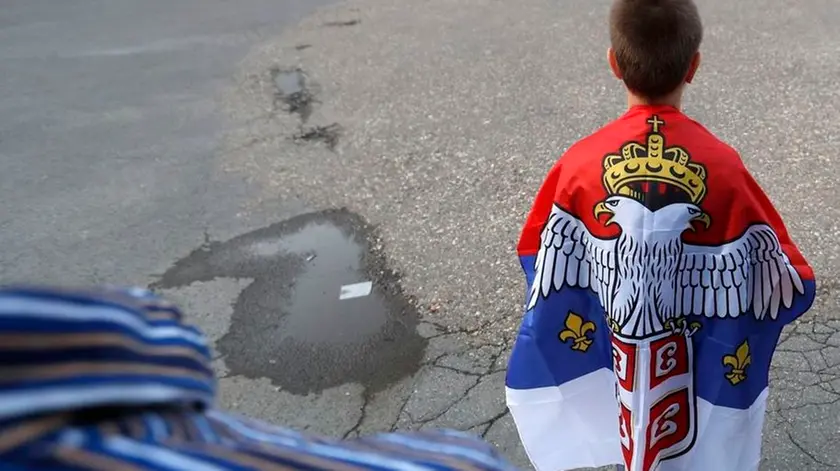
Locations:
(681, 217)
(624, 211)
(629, 213)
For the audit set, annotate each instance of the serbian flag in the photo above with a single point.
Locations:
(659, 279)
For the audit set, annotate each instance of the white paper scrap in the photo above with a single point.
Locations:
(356, 290)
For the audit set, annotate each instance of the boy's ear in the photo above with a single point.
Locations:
(614, 64)
(692, 69)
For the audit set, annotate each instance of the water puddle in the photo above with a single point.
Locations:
(322, 310)
(317, 314)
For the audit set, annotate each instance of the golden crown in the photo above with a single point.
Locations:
(631, 173)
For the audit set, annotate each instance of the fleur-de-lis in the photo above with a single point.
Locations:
(576, 330)
(739, 363)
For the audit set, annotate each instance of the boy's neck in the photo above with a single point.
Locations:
(673, 99)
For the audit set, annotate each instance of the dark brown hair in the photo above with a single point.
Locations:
(654, 42)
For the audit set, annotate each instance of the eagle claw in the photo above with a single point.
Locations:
(682, 327)
(677, 326)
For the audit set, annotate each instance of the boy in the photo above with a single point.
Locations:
(659, 275)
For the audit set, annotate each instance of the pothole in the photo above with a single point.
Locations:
(322, 310)
(291, 92)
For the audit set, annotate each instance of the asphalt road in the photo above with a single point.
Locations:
(110, 129)
(257, 176)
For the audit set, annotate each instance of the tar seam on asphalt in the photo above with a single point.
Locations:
(290, 324)
(326, 134)
(342, 23)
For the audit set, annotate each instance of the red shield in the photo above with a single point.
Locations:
(655, 393)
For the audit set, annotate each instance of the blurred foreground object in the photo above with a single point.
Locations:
(111, 379)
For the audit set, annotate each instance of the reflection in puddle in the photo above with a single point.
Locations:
(316, 313)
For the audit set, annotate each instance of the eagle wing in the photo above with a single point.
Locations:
(570, 256)
(728, 280)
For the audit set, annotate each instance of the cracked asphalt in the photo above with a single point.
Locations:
(431, 123)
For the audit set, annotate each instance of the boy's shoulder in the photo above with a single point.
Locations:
(709, 139)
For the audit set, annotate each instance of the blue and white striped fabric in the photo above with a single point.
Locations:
(112, 379)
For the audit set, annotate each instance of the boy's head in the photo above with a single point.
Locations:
(655, 44)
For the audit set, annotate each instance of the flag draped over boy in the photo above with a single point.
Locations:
(659, 279)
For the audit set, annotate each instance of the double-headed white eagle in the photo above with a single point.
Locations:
(648, 276)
